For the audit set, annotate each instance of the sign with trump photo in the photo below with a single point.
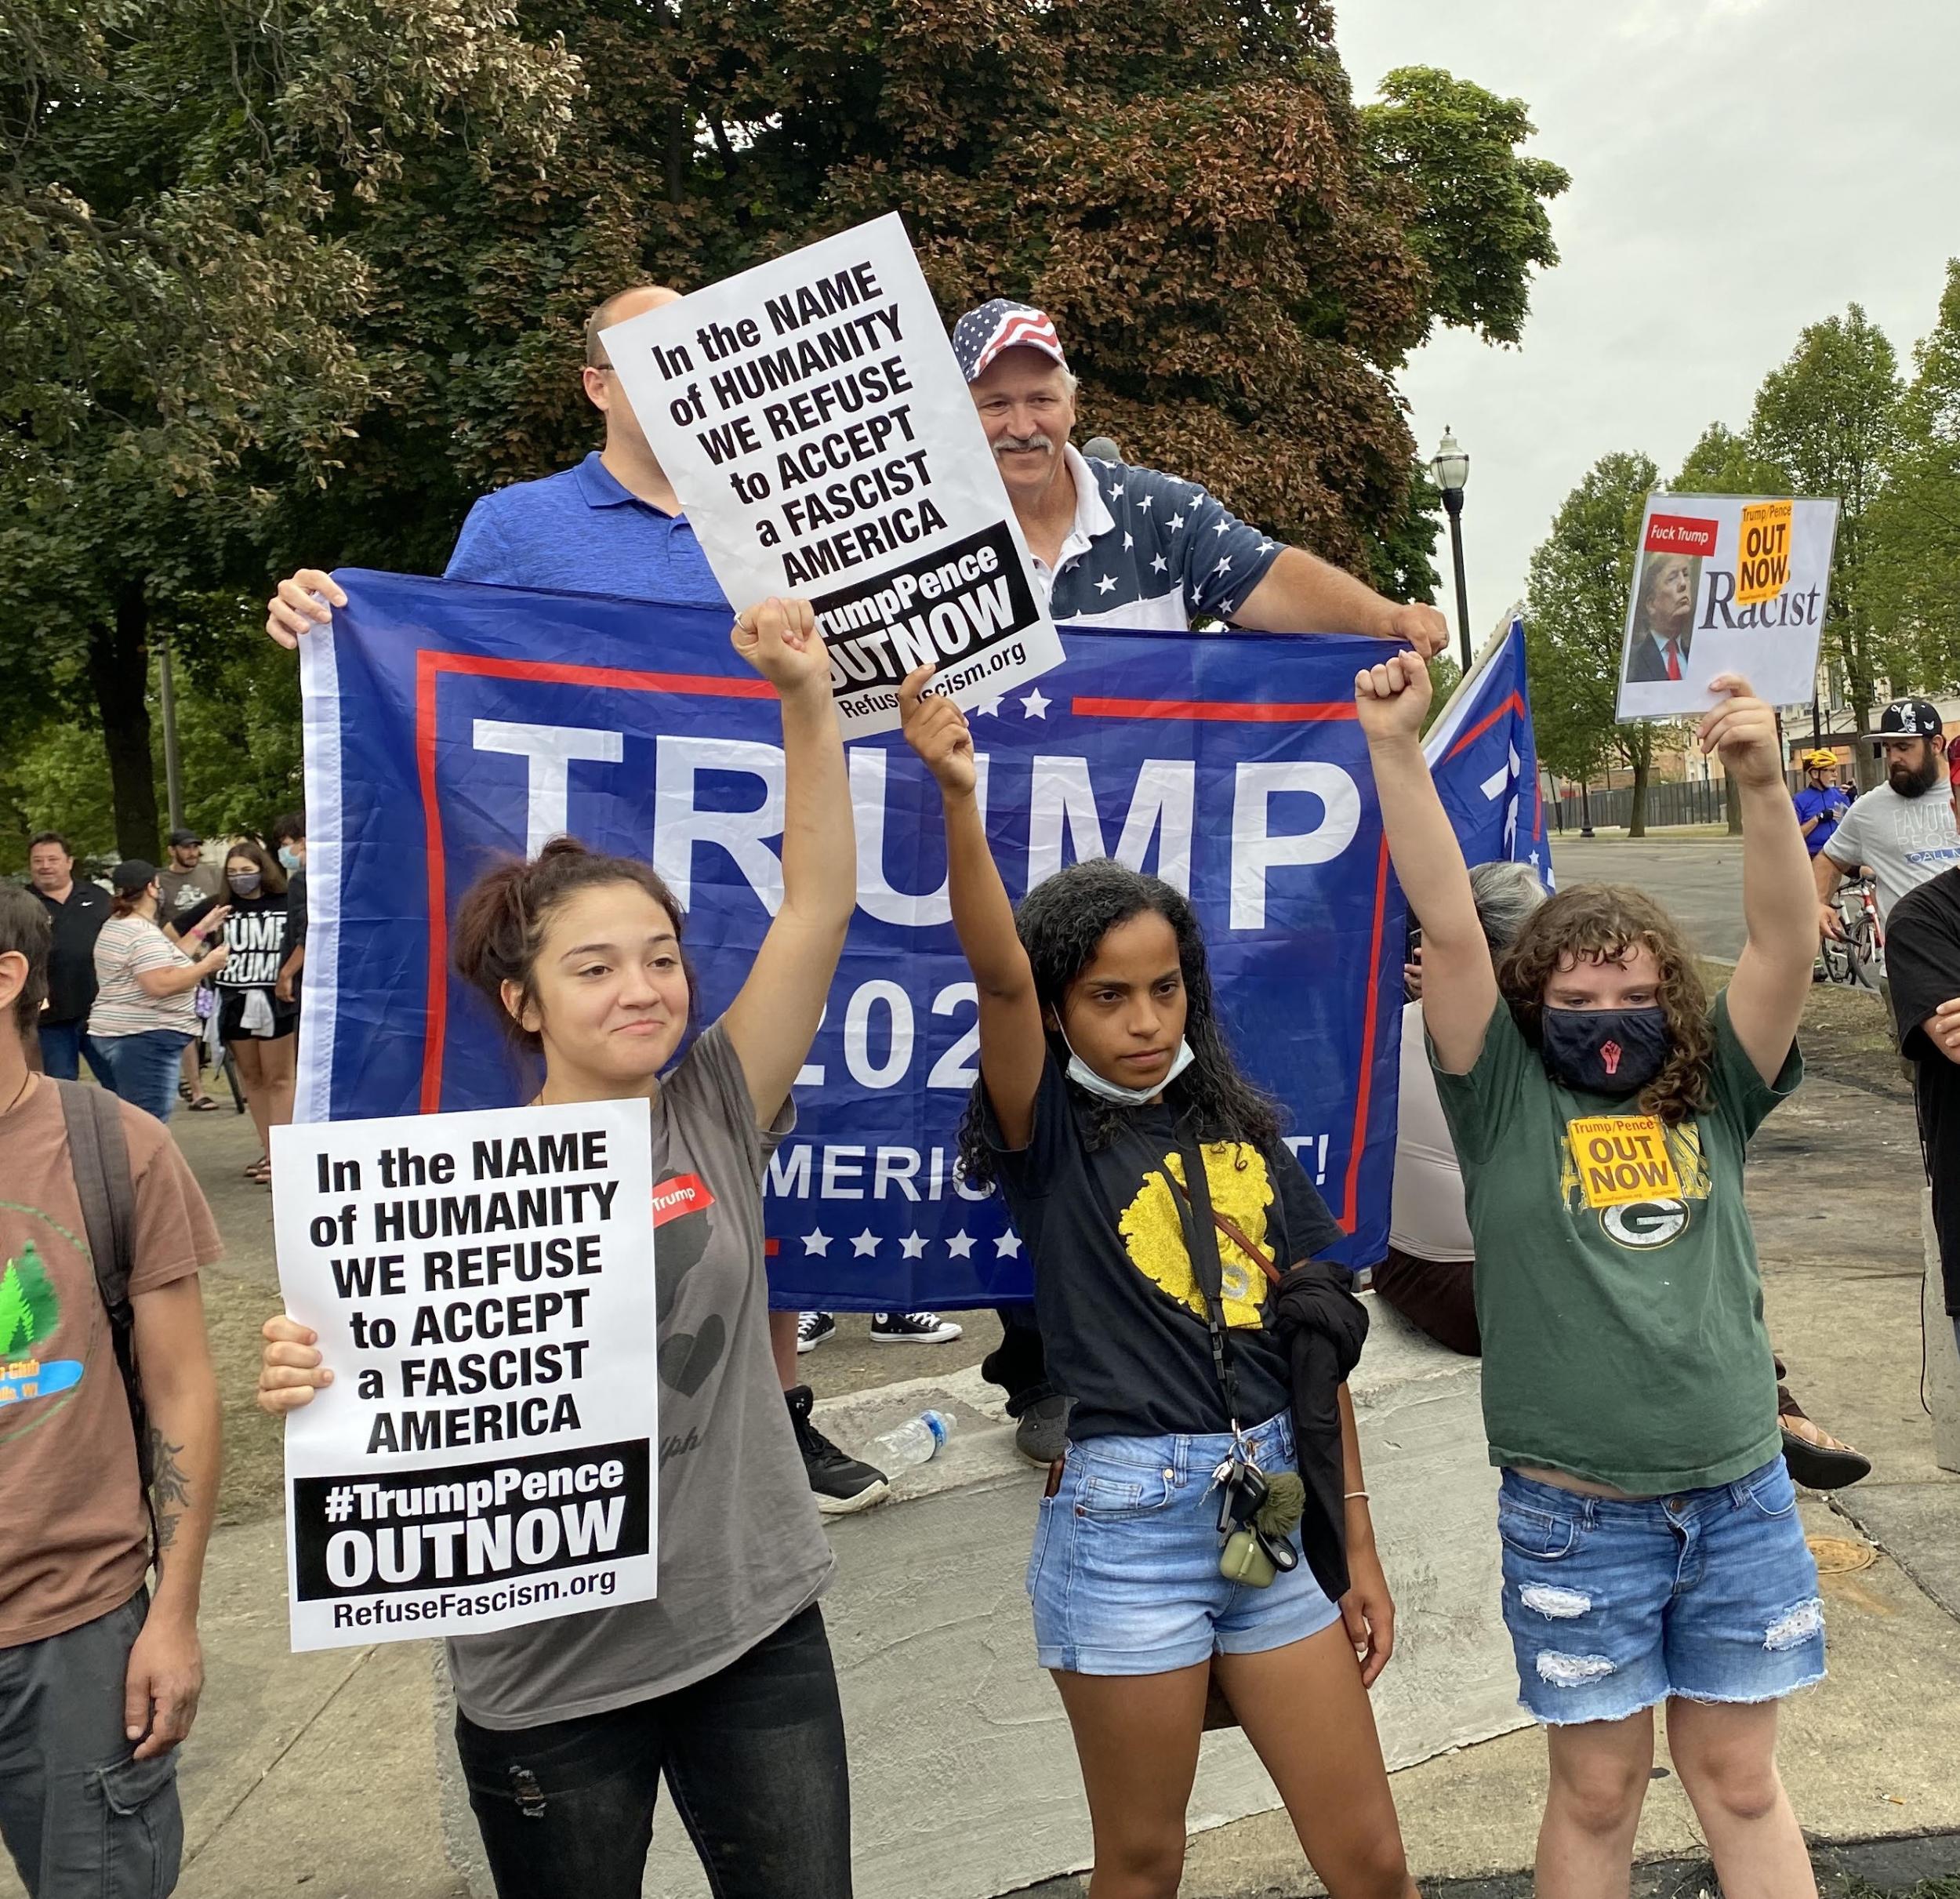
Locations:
(1725, 583)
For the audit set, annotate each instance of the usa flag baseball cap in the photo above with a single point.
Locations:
(980, 335)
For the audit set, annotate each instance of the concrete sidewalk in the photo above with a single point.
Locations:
(318, 1771)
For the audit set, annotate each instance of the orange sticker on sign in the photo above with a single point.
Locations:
(1763, 559)
(1622, 1158)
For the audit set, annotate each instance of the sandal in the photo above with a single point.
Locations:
(260, 1171)
(1816, 1459)
(203, 1105)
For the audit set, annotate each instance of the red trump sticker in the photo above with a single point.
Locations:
(1680, 533)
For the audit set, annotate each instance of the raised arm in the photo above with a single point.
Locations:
(1779, 895)
(1013, 1048)
(773, 1020)
(1300, 593)
(1459, 987)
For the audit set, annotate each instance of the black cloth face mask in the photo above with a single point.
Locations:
(1604, 1052)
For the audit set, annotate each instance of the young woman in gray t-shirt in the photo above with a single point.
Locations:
(725, 1684)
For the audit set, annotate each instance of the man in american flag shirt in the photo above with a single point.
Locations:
(1119, 545)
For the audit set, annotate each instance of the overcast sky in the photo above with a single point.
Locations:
(1740, 169)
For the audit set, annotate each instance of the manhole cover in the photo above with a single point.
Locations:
(1838, 1555)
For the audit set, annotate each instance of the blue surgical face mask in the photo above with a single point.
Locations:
(288, 858)
(1614, 1052)
(1085, 1077)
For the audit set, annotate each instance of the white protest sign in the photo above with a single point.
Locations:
(812, 419)
(1725, 583)
(482, 1286)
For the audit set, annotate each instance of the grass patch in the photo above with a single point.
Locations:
(1846, 1035)
(1926, 1889)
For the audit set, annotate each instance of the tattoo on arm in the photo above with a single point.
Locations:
(169, 1486)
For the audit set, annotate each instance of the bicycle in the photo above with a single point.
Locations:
(1855, 961)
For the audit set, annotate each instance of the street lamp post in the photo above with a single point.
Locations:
(1450, 466)
(167, 696)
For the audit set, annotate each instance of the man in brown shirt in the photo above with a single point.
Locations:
(99, 1679)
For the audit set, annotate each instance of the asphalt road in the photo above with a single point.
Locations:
(1698, 878)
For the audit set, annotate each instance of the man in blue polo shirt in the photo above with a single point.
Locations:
(613, 525)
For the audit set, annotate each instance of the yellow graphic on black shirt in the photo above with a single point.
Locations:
(1684, 1155)
(1153, 1234)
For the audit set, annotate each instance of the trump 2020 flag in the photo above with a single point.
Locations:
(1484, 759)
(450, 727)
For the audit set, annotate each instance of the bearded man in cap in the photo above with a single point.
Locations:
(1904, 829)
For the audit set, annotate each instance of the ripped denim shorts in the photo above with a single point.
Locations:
(1613, 1606)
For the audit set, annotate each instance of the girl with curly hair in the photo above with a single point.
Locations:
(1601, 1105)
(724, 1685)
(1173, 1237)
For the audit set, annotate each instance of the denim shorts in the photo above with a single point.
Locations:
(1613, 1606)
(1124, 1576)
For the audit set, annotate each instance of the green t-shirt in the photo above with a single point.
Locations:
(1616, 1284)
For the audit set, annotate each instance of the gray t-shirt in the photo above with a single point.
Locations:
(741, 1549)
(1905, 841)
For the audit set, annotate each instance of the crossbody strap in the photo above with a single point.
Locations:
(1194, 1215)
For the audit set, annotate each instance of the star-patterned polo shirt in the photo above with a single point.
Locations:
(1147, 550)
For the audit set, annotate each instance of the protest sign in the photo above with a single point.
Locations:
(817, 428)
(447, 726)
(1725, 583)
(482, 1286)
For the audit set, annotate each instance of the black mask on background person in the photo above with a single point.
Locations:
(244, 883)
(1604, 1052)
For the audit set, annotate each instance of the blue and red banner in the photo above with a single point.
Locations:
(450, 724)
(1483, 755)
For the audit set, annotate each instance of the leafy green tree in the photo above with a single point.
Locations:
(174, 300)
(1479, 204)
(1913, 573)
(1828, 418)
(1238, 257)
(1575, 621)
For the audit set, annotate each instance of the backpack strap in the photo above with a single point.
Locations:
(99, 1159)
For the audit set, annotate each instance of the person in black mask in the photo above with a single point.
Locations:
(1601, 1104)
(258, 1029)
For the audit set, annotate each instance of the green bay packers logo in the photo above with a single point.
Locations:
(1644, 1223)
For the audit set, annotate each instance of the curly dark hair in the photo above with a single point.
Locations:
(1602, 922)
(1060, 922)
(500, 924)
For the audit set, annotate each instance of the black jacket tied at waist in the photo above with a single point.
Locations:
(1324, 1327)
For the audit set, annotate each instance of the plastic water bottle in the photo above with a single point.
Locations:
(915, 1441)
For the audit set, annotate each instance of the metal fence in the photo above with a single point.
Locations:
(1666, 804)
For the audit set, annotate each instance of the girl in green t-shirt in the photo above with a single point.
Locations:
(1600, 1107)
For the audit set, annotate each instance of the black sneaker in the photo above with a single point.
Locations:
(912, 1329)
(813, 1329)
(841, 1483)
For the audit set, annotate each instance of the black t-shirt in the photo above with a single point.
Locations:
(1121, 1317)
(71, 958)
(1923, 963)
(256, 933)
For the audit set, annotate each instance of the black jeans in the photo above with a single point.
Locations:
(754, 1757)
(1019, 1364)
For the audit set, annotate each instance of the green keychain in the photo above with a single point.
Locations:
(1243, 1560)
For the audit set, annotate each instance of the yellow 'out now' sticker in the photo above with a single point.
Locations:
(1622, 1158)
